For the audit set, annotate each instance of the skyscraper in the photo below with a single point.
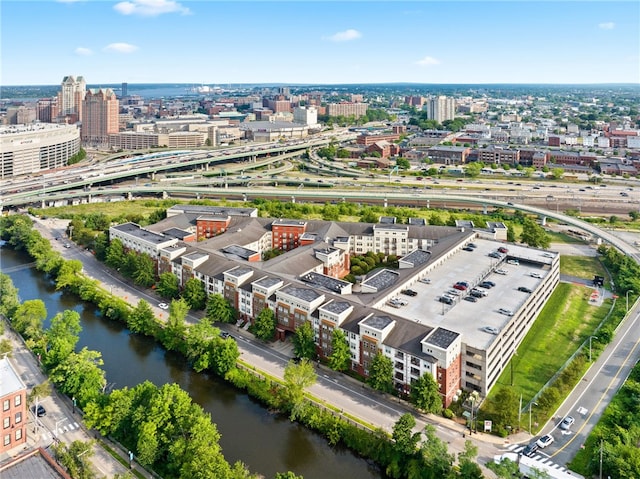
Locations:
(100, 110)
(70, 98)
(124, 90)
(441, 108)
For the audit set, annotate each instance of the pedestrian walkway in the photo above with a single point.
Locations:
(540, 461)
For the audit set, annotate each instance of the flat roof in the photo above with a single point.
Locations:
(9, 379)
(475, 266)
(382, 279)
(417, 257)
(267, 281)
(442, 338)
(336, 307)
(327, 282)
(239, 251)
(377, 321)
(304, 294)
(135, 230)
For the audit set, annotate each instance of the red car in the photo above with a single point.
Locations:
(460, 286)
(503, 250)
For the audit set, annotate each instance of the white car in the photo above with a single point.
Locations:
(536, 275)
(514, 262)
(491, 330)
(502, 271)
(163, 306)
(545, 440)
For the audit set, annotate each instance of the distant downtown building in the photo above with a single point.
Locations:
(100, 110)
(441, 108)
(69, 105)
(346, 108)
(27, 149)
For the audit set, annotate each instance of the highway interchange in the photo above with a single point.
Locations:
(240, 173)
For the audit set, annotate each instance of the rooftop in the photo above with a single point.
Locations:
(382, 279)
(442, 338)
(304, 294)
(9, 379)
(327, 282)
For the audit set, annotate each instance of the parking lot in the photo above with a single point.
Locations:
(477, 321)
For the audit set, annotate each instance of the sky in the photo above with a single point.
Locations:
(319, 42)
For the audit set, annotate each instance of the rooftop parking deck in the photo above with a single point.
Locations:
(474, 320)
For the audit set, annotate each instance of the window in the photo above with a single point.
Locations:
(6, 423)
(7, 439)
(18, 417)
(5, 405)
(17, 400)
(18, 434)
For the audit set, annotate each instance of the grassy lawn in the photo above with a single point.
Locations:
(581, 266)
(563, 324)
(563, 238)
(115, 209)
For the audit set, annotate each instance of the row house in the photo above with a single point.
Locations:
(135, 238)
(414, 348)
(286, 233)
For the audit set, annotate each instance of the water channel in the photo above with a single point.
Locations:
(264, 442)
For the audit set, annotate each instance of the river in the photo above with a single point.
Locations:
(266, 443)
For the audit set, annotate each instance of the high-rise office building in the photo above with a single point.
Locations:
(100, 110)
(72, 92)
(441, 108)
(124, 90)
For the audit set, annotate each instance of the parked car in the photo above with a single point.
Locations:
(445, 299)
(40, 411)
(495, 254)
(545, 440)
(486, 285)
(471, 299)
(479, 293)
(163, 306)
(467, 248)
(502, 249)
(472, 245)
(460, 287)
(524, 289)
(506, 312)
(425, 280)
(409, 292)
(530, 449)
(502, 271)
(490, 329)
(566, 423)
(514, 262)
(535, 275)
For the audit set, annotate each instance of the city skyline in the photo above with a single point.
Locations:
(330, 42)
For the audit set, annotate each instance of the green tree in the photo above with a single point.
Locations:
(115, 254)
(80, 375)
(62, 337)
(304, 345)
(28, 318)
(9, 301)
(142, 319)
(75, 458)
(200, 344)
(425, 394)
(286, 475)
(503, 408)
(264, 326)
(224, 356)
(340, 358)
(505, 469)
(473, 169)
(403, 436)
(557, 173)
(195, 294)
(68, 274)
(168, 286)
(381, 373)
(534, 235)
(437, 460)
(219, 309)
(175, 331)
(297, 377)
(39, 391)
(403, 163)
(6, 348)
(144, 270)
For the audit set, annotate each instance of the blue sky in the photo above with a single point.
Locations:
(216, 42)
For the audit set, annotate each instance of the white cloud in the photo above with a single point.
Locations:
(85, 52)
(120, 48)
(150, 8)
(428, 61)
(607, 26)
(345, 36)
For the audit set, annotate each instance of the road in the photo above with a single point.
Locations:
(591, 396)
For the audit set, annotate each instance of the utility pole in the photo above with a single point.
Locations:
(600, 458)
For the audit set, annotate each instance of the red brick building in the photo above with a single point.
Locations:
(13, 398)
(285, 234)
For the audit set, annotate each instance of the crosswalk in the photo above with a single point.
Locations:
(541, 458)
(60, 430)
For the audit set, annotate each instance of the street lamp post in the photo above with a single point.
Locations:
(627, 296)
(590, 338)
(530, 407)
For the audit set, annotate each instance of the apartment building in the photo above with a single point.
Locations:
(99, 116)
(440, 108)
(13, 397)
(347, 109)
